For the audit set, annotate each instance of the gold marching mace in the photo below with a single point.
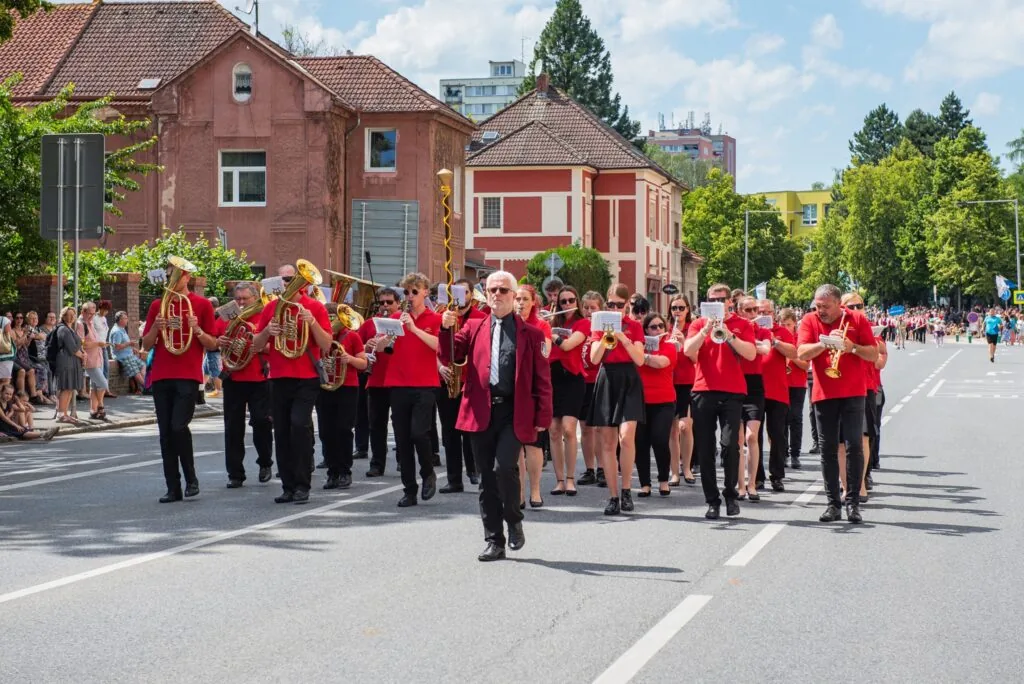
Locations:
(176, 309)
(294, 337)
(454, 381)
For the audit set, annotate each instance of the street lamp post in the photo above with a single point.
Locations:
(746, 235)
(1016, 223)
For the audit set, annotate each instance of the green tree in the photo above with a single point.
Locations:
(1016, 153)
(923, 130)
(22, 249)
(692, 172)
(24, 8)
(878, 137)
(818, 185)
(822, 261)
(584, 268)
(302, 44)
(574, 57)
(953, 116)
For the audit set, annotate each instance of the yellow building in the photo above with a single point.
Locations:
(809, 207)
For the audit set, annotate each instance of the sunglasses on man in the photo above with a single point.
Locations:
(499, 290)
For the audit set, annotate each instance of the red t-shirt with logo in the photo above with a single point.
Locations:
(590, 370)
(658, 385)
(252, 371)
(413, 363)
(773, 370)
(756, 367)
(572, 360)
(302, 367)
(853, 379)
(380, 366)
(718, 366)
(685, 370)
(634, 331)
(352, 343)
(187, 366)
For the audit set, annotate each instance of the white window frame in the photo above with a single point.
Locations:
(243, 97)
(483, 213)
(234, 180)
(813, 220)
(367, 151)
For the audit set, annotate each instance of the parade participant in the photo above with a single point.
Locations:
(796, 374)
(378, 396)
(618, 402)
(294, 380)
(753, 402)
(839, 391)
(568, 387)
(718, 390)
(246, 388)
(993, 324)
(505, 404)
(177, 372)
(681, 439)
(592, 301)
(654, 431)
(551, 290)
(854, 302)
(879, 366)
(531, 459)
(412, 378)
(776, 394)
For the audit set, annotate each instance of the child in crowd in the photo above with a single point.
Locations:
(13, 419)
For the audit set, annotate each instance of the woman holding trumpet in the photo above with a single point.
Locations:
(681, 439)
(660, 358)
(568, 386)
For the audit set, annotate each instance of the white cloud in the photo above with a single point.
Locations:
(761, 44)
(817, 111)
(987, 104)
(827, 37)
(825, 32)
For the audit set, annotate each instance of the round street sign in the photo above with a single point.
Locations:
(670, 289)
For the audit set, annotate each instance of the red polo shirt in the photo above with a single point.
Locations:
(301, 367)
(853, 379)
(413, 363)
(380, 366)
(572, 360)
(756, 367)
(352, 343)
(718, 366)
(187, 366)
(634, 331)
(773, 370)
(657, 382)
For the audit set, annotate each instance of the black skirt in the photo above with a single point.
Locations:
(618, 396)
(567, 392)
(588, 399)
(753, 403)
(683, 400)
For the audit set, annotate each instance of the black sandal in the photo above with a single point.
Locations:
(571, 492)
(644, 492)
(536, 504)
(558, 492)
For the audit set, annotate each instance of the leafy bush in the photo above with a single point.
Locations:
(585, 269)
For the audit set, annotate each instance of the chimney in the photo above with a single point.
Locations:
(542, 84)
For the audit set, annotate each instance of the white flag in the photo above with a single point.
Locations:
(761, 290)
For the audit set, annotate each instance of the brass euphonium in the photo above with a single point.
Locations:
(294, 337)
(240, 349)
(176, 309)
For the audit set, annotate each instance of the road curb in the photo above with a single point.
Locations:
(133, 422)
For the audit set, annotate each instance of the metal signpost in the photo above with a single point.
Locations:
(72, 194)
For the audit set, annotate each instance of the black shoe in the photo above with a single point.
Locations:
(331, 483)
(265, 474)
(536, 504)
(373, 472)
(777, 486)
(760, 486)
(753, 496)
(429, 488)
(344, 481)
(201, 399)
(407, 501)
(601, 481)
(814, 450)
(322, 464)
(588, 478)
(285, 497)
(516, 538)
(493, 552)
(437, 461)
(869, 482)
(613, 506)
(626, 500)
(360, 455)
(171, 496)
(732, 507)
(831, 514)
(191, 489)
(713, 512)
(795, 464)
(853, 513)
(474, 478)
(452, 489)
(234, 484)
(300, 497)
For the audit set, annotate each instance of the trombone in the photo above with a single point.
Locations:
(176, 309)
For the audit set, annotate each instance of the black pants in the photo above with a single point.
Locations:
(412, 410)
(775, 414)
(795, 420)
(336, 416)
(815, 442)
(378, 404)
(725, 409)
(831, 413)
(879, 410)
(237, 397)
(175, 403)
(435, 440)
(654, 433)
(292, 401)
(362, 417)
(457, 446)
(496, 451)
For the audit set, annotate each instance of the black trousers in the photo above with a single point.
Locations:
(412, 411)
(336, 417)
(175, 403)
(496, 451)
(457, 445)
(237, 397)
(654, 433)
(815, 442)
(795, 420)
(378, 403)
(725, 409)
(849, 413)
(879, 410)
(292, 401)
(435, 440)
(775, 415)
(362, 417)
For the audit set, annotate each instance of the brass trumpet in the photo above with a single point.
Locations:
(294, 337)
(836, 354)
(608, 340)
(176, 309)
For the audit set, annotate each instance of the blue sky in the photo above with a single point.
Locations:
(790, 81)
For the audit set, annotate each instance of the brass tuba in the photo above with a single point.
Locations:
(176, 309)
(294, 337)
(240, 349)
(334, 368)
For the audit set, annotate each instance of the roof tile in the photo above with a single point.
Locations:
(39, 43)
(533, 144)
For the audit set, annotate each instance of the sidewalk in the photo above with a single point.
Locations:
(125, 411)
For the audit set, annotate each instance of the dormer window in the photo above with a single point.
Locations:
(241, 78)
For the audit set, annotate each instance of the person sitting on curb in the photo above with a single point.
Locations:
(13, 420)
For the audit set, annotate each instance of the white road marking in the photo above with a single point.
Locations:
(897, 408)
(632, 661)
(885, 419)
(65, 464)
(904, 400)
(915, 391)
(936, 388)
(750, 549)
(90, 473)
(809, 493)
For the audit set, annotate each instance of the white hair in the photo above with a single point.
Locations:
(506, 276)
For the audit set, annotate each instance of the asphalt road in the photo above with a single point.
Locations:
(99, 583)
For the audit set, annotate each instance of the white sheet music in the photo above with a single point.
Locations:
(764, 321)
(273, 286)
(228, 312)
(714, 310)
(157, 276)
(458, 292)
(603, 320)
(651, 343)
(389, 326)
(831, 341)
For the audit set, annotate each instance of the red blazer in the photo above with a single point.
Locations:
(531, 407)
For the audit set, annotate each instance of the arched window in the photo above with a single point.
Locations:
(241, 79)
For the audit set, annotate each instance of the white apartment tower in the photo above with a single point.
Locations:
(480, 98)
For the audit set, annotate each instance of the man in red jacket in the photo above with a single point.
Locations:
(505, 403)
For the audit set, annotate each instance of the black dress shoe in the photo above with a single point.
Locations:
(588, 478)
(714, 511)
(322, 464)
(344, 481)
(626, 501)
(516, 538)
(373, 472)
(493, 552)
(429, 488)
(853, 513)
(436, 462)
(191, 489)
(760, 486)
(285, 497)
(234, 484)
(732, 507)
(777, 486)
(795, 464)
(300, 497)
(451, 488)
(474, 478)
(360, 455)
(331, 483)
(814, 450)
(831, 514)
(869, 482)
(265, 474)
(171, 496)
(407, 501)
(601, 481)
(613, 506)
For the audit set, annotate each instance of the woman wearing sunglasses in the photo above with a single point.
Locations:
(533, 461)
(592, 301)
(659, 405)
(618, 402)
(681, 439)
(753, 402)
(568, 388)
